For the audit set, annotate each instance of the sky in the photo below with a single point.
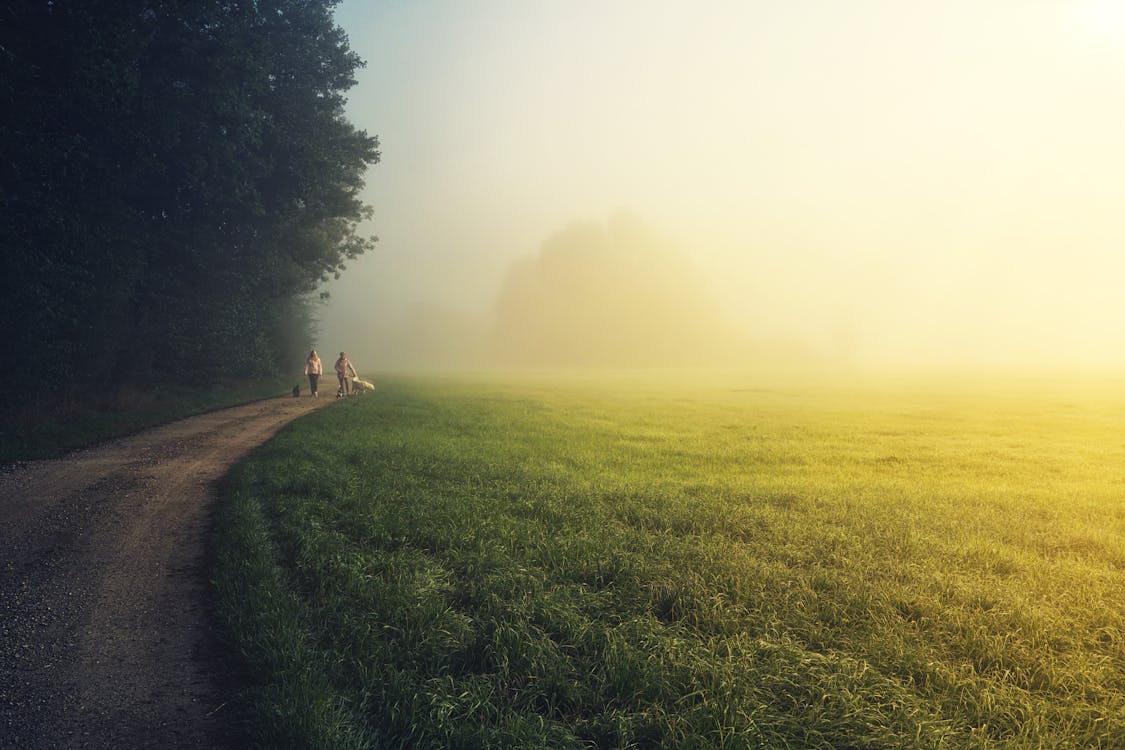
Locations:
(879, 182)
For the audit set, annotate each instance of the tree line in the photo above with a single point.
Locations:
(177, 178)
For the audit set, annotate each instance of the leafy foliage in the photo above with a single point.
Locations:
(177, 177)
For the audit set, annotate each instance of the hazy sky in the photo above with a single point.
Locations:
(904, 182)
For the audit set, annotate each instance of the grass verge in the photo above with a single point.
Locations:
(580, 564)
(51, 429)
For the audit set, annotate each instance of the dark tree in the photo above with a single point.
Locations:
(176, 177)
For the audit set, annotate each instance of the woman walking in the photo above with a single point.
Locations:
(313, 369)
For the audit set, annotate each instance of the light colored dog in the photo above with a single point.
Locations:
(359, 385)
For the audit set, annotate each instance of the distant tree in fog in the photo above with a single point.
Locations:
(609, 295)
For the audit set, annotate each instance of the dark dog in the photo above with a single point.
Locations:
(296, 391)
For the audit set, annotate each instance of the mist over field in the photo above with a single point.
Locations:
(610, 295)
(599, 294)
(868, 184)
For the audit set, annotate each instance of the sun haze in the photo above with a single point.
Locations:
(875, 182)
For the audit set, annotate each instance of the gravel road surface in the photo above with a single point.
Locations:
(106, 630)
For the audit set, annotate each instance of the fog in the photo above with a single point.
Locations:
(629, 184)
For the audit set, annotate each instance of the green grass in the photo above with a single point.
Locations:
(50, 427)
(640, 563)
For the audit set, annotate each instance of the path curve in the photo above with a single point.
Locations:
(106, 636)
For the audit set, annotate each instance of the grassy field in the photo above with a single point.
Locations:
(570, 562)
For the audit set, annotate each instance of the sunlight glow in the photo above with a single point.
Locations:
(1105, 18)
(881, 182)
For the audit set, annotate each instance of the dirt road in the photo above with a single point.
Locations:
(106, 636)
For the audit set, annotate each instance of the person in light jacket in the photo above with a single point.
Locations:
(344, 373)
(313, 369)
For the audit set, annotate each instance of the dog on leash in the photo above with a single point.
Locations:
(297, 391)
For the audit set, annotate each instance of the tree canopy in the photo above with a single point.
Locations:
(176, 178)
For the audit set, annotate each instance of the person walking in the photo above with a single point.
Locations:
(344, 373)
(313, 369)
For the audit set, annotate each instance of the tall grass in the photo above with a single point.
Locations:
(575, 563)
